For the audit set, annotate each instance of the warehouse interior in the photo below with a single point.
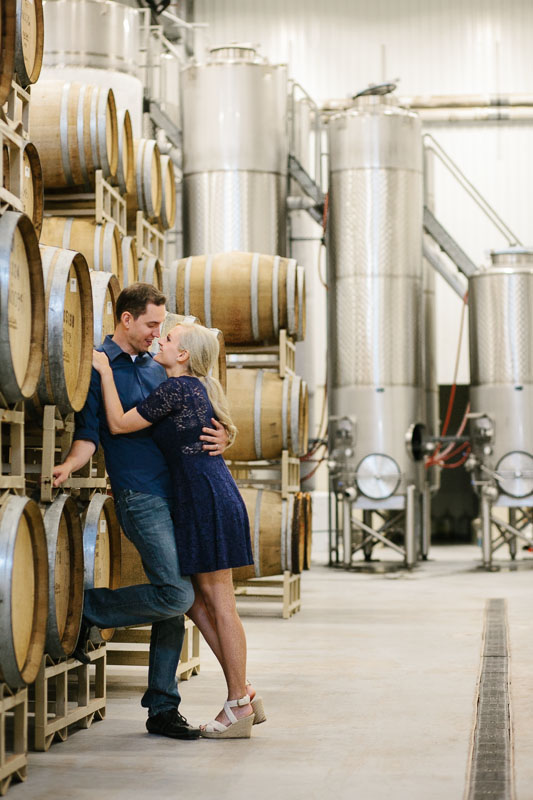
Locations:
(340, 192)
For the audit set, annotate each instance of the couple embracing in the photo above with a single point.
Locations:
(164, 423)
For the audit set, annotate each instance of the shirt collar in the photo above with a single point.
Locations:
(113, 351)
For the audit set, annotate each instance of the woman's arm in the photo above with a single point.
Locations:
(118, 421)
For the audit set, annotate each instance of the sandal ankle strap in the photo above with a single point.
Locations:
(229, 704)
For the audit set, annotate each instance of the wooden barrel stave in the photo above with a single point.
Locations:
(271, 530)
(66, 372)
(249, 296)
(65, 567)
(308, 511)
(23, 590)
(100, 244)
(22, 304)
(270, 413)
(125, 165)
(29, 42)
(8, 14)
(101, 547)
(74, 127)
(167, 215)
(32, 186)
(147, 189)
(105, 291)
(150, 271)
(130, 262)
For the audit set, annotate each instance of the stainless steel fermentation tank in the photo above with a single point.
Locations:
(501, 365)
(376, 288)
(235, 151)
(91, 33)
(501, 396)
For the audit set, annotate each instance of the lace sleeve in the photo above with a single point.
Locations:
(162, 401)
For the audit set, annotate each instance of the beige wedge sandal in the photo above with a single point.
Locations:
(258, 707)
(237, 729)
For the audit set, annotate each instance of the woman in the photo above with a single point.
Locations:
(211, 521)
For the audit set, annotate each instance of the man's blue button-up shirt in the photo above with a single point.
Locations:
(133, 460)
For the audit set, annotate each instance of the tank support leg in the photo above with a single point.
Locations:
(486, 531)
(347, 531)
(513, 540)
(369, 546)
(410, 526)
(426, 521)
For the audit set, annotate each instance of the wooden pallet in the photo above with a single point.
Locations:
(17, 110)
(13, 753)
(150, 240)
(281, 355)
(105, 204)
(118, 651)
(46, 445)
(12, 449)
(285, 590)
(12, 141)
(286, 478)
(59, 702)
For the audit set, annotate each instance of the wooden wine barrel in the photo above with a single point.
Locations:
(270, 414)
(105, 289)
(151, 271)
(29, 41)
(272, 532)
(308, 501)
(249, 296)
(64, 540)
(32, 186)
(101, 547)
(74, 127)
(23, 590)
(219, 372)
(130, 262)
(6, 168)
(170, 288)
(125, 166)
(300, 294)
(66, 372)
(100, 244)
(8, 16)
(298, 533)
(131, 567)
(22, 304)
(167, 216)
(147, 190)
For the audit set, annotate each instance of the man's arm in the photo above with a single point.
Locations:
(216, 438)
(86, 433)
(78, 455)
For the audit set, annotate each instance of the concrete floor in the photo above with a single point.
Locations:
(369, 693)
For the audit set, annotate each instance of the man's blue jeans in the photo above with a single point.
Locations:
(146, 521)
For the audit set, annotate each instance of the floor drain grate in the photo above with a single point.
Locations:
(491, 770)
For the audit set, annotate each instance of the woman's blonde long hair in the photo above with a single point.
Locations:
(202, 346)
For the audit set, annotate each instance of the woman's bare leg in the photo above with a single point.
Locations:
(201, 617)
(217, 592)
(203, 620)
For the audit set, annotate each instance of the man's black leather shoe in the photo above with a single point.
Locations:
(171, 723)
(79, 651)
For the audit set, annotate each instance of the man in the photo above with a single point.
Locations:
(141, 488)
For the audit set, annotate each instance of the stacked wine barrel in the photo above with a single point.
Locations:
(53, 308)
(252, 298)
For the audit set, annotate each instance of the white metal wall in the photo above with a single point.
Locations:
(336, 48)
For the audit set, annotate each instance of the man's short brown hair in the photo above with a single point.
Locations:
(136, 297)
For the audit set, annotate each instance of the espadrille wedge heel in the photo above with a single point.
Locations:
(258, 707)
(237, 729)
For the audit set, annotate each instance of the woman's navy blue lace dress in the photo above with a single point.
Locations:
(210, 517)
